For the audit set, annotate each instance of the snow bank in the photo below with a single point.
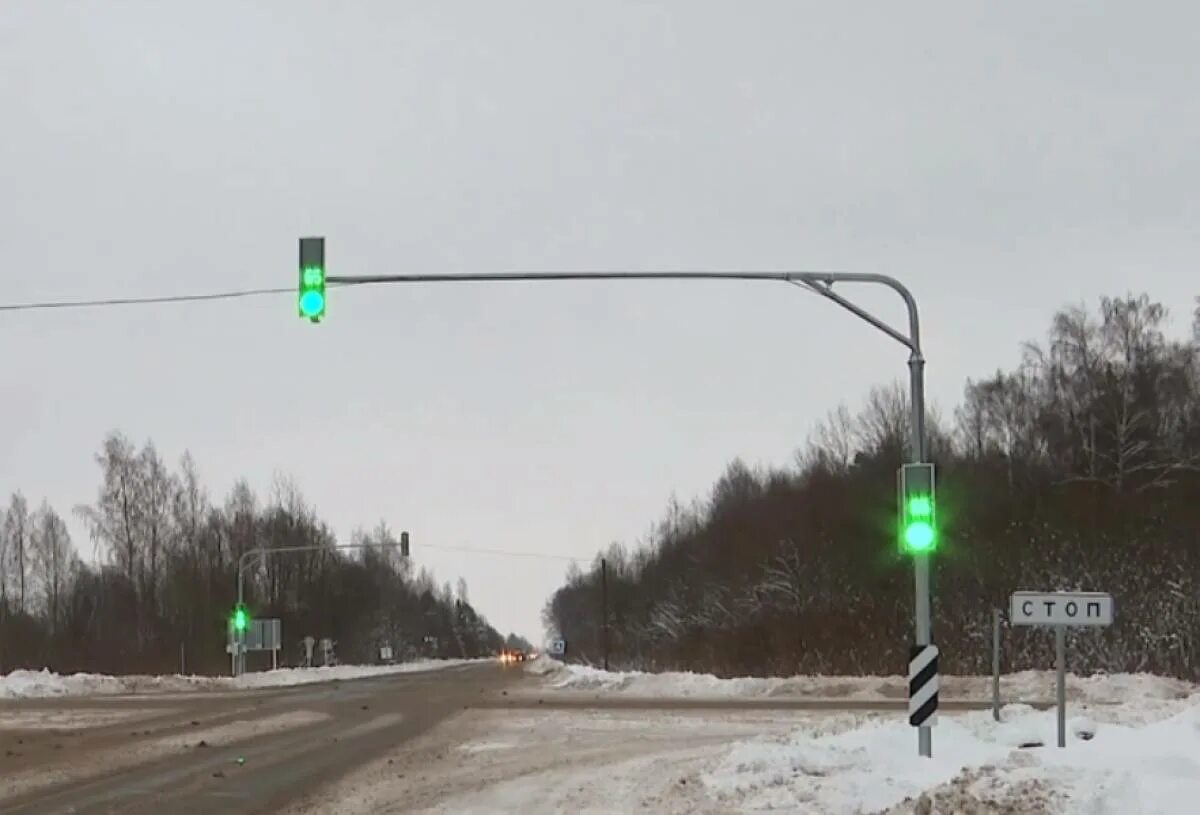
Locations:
(1025, 686)
(45, 684)
(42, 684)
(977, 765)
(306, 676)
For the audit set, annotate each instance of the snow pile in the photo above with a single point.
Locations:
(45, 684)
(978, 765)
(305, 676)
(1026, 686)
(687, 684)
(543, 665)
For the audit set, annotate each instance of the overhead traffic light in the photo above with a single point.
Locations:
(240, 619)
(918, 516)
(312, 279)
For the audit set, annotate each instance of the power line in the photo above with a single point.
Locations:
(135, 301)
(504, 552)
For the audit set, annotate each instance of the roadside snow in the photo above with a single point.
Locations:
(45, 684)
(977, 765)
(1024, 686)
(305, 676)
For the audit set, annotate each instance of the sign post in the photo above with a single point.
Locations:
(997, 620)
(1061, 609)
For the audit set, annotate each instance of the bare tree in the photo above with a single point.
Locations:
(53, 557)
(883, 423)
(115, 520)
(16, 532)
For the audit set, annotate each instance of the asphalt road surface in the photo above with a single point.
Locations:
(261, 751)
(160, 761)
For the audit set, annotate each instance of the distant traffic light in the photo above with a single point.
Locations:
(403, 544)
(918, 515)
(312, 279)
(241, 619)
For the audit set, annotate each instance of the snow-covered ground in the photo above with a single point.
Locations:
(1120, 759)
(1025, 686)
(46, 684)
(1136, 762)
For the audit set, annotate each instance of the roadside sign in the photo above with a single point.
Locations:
(385, 653)
(1061, 608)
(557, 647)
(264, 635)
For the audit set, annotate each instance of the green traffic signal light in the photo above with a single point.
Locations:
(312, 278)
(919, 534)
(240, 619)
(918, 525)
(312, 303)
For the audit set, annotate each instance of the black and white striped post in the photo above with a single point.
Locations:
(923, 686)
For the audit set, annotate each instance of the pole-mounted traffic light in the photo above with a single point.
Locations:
(403, 544)
(312, 279)
(918, 516)
(240, 619)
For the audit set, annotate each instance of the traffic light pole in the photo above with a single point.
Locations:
(817, 282)
(261, 552)
(921, 609)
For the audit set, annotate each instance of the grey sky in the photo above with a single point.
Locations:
(1001, 158)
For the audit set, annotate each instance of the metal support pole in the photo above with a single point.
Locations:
(924, 628)
(1060, 660)
(604, 607)
(238, 667)
(996, 619)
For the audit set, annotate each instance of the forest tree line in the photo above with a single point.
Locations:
(1078, 470)
(164, 583)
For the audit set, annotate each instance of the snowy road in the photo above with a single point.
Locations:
(481, 738)
(234, 751)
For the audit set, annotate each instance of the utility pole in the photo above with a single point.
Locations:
(604, 607)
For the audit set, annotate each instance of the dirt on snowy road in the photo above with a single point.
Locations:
(238, 752)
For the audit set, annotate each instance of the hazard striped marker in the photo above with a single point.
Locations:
(923, 686)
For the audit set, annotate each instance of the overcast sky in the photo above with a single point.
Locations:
(1000, 158)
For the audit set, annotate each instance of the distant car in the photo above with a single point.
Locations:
(512, 655)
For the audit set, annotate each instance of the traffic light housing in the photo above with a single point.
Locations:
(240, 620)
(918, 533)
(403, 544)
(311, 298)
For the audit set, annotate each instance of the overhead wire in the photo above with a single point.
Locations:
(133, 301)
(504, 552)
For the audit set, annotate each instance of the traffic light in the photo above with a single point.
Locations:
(312, 279)
(240, 619)
(403, 544)
(918, 516)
